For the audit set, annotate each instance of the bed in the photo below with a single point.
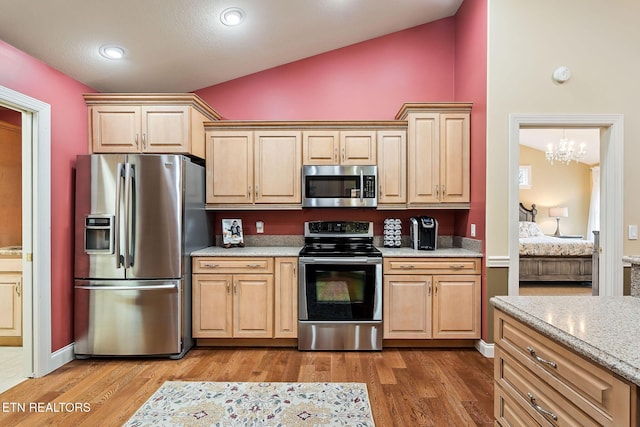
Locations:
(551, 259)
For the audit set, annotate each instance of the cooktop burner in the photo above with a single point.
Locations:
(339, 239)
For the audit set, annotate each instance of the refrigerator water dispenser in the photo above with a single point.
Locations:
(98, 234)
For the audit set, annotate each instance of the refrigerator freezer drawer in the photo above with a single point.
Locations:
(128, 318)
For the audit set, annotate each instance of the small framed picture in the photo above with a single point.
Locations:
(232, 232)
(524, 177)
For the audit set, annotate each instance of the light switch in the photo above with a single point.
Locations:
(633, 232)
(473, 230)
(259, 227)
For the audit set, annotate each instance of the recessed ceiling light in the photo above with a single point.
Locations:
(111, 51)
(232, 16)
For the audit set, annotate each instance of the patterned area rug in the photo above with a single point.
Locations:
(185, 403)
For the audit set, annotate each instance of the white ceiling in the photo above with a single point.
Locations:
(181, 45)
(540, 138)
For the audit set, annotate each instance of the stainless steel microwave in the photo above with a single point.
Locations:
(339, 186)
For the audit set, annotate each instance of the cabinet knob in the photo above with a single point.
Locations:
(456, 266)
(344, 154)
(228, 287)
(144, 140)
(136, 140)
(18, 289)
(405, 267)
(540, 409)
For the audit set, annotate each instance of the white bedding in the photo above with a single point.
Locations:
(554, 246)
(534, 243)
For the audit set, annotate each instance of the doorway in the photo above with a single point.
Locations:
(610, 276)
(559, 178)
(37, 358)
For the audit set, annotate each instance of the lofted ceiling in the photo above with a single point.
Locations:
(182, 46)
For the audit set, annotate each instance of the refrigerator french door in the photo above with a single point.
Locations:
(138, 217)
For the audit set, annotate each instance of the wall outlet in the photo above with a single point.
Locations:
(473, 230)
(259, 227)
(633, 232)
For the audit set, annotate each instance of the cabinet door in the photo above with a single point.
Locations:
(320, 147)
(278, 165)
(10, 305)
(116, 129)
(392, 170)
(212, 306)
(165, 129)
(454, 157)
(456, 306)
(357, 147)
(423, 158)
(253, 306)
(286, 298)
(229, 167)
(407, 306)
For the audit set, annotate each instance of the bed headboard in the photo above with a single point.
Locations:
(528, 214)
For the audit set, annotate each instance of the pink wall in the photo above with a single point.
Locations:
(25, 74)
(471, 85)
(366, 81)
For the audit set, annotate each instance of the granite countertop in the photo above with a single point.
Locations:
(444, 252)
(631, 259)
(249, 251)
(11, 251)
(294, 251)
(603, 329)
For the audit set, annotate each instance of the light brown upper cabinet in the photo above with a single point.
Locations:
(392, 168)
(247, 167)
(339, 147)
(438, 152)
(148, 123)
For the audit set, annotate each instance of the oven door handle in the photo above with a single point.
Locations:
(341, 260)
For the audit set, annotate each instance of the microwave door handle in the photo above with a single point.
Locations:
(119, 177)
(361, 187)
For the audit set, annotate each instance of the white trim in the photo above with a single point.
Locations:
(37, 316)
(486, 349)
(63, 356)
(611, 200)
(498, 261)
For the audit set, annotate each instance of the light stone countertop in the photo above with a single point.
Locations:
(605, 330)
(294, 251)
(631, 259)
(444, 252)
(11, 251)
(249, 251)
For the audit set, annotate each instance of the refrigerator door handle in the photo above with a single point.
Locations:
(119, 176)
(127, 288)
(128, 261)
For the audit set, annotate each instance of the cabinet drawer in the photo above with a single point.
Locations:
(232, 265)
(588, 386)
(431, 266)
(508, 412)
(543, 403)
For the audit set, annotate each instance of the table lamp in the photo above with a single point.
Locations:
(558, 213)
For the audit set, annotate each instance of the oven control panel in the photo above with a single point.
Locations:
(347, 227)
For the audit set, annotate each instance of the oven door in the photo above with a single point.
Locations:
(340, 289)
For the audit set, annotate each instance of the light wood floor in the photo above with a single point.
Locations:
(555, 288)
(407, 387)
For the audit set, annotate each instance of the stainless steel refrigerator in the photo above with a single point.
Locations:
(138, 217)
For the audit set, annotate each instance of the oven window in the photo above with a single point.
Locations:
(340, 292)
(332, 186)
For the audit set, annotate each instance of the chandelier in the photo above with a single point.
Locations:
(564, 151)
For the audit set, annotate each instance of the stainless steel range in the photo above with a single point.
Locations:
(340, 287)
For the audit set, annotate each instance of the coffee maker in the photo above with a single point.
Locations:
(424, 232)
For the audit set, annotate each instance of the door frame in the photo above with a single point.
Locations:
(36, 230)
(611, 274)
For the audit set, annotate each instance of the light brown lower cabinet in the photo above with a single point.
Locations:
(11, 308)
(539, 382)
(435, 298)
(237, 297)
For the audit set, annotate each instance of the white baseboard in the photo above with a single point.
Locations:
(61, 357)
(485, 349)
